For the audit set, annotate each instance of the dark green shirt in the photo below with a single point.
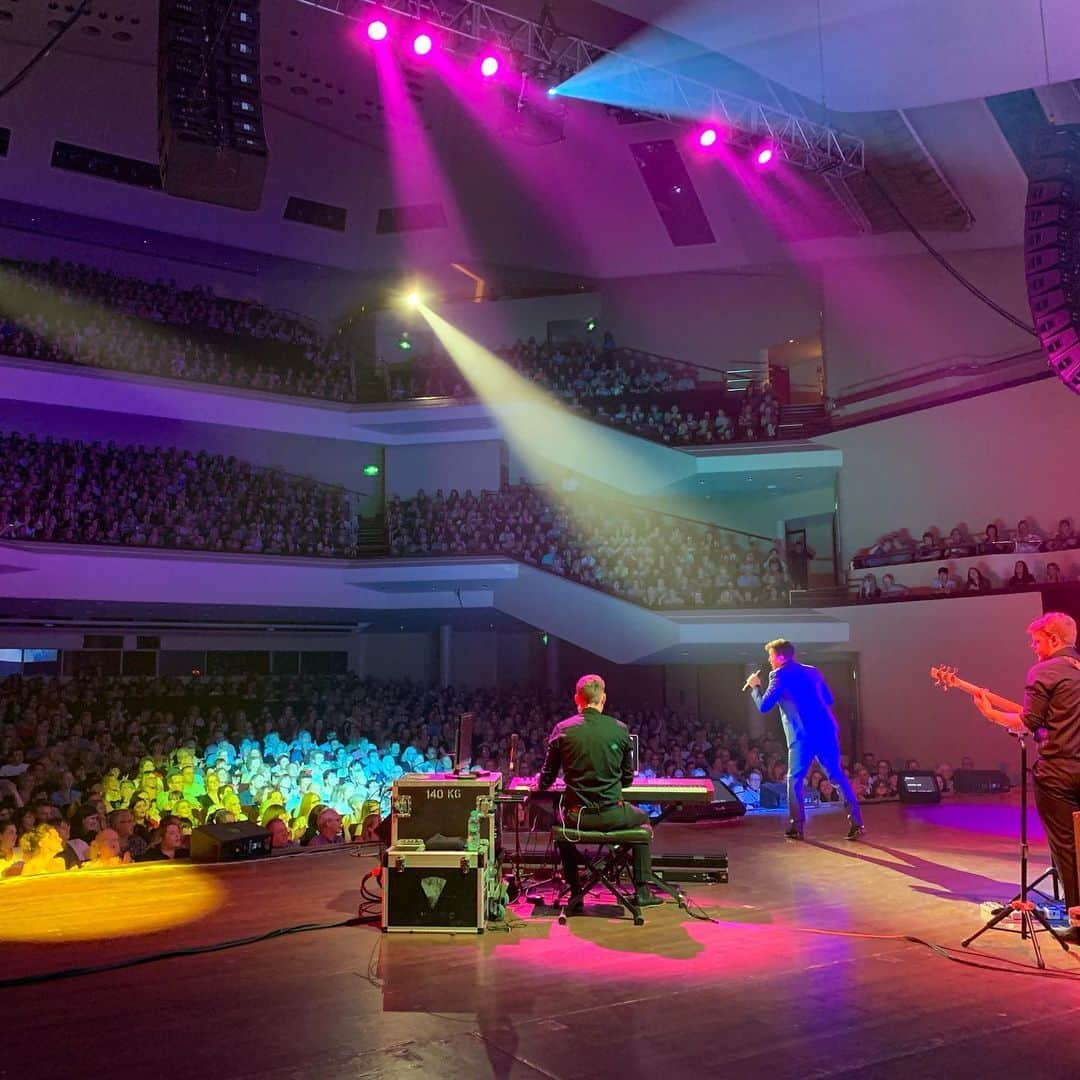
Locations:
(1052, 705)
(595, 754)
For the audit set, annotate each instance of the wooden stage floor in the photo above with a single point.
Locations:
(805, 973)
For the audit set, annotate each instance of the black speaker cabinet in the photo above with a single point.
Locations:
(918, 786)
(980, 782)
(230, 842)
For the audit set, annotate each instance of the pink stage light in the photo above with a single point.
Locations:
(377, 30)
(765, 155)
(707, 138)
(489, 66)
(422, 44)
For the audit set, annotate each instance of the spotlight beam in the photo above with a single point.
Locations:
(544, 432)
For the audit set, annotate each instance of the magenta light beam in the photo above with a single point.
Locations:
(765, 155)
(707, 138)
(489, 66)
(422, 44)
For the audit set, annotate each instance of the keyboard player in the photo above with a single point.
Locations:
(594, 753)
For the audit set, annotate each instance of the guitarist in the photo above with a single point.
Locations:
(1051, 710)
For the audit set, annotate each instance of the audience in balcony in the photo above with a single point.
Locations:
(73, 492)
(81, 315)
(976, 581)
(637, 554)
(1022, 577)
(943, 581)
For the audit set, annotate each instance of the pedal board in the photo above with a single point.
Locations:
(706, 869)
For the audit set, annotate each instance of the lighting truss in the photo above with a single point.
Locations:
(467, 26)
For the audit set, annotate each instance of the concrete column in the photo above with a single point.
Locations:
(446, 662)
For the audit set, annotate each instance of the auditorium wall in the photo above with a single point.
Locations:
(999, 457)
(902, 714)
(475, 465)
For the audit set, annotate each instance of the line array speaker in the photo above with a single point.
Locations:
(210, 125)
(1052, 249)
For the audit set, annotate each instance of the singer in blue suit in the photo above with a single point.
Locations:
(810, 728)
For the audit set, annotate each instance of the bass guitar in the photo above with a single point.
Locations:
(947, 679)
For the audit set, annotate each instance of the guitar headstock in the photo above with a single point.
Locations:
(944, 677)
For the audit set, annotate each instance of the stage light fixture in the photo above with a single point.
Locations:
(489, 66)
(413, 298)
(708, 138)
(377, 30)
(765, 155)
(422, 44)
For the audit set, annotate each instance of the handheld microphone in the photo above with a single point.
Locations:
(746, 685)
(512, 761)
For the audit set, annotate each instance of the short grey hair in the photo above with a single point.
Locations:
(1055, 624)
(590, 688)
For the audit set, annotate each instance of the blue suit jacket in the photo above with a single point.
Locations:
(805, 703)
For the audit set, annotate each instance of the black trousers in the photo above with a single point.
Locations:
(611, 819)
(1057, 798)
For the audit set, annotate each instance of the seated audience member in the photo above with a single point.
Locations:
(958, 546)
(929, 547)
(868, 588)
(891, 589)
(1064, 539)
(992, 543)
(1053, 574)
(105, 851)
(976, 581)
(1026, 539)
(327, 829)
(280, 840)
(751, 794)
(944, 582)
(40, 849)
(170, 846)
(131, 843)
(827, 792)
(1022, 577)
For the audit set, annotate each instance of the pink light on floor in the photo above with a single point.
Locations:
(708, 138)
(422, 44)
(765, 155)
(489, 66)
(377, 30)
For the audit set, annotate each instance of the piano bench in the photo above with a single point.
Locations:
(610, 865)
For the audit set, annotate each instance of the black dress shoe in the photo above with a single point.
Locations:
(854, 832)
(793, 833)
(644, 898)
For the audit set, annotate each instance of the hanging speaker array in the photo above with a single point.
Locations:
(1052, 249)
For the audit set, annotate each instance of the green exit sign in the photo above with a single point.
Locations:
(371, 470)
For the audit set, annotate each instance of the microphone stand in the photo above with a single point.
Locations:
(1032, 921)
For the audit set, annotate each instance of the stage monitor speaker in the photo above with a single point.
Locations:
(980, 782)
(918, 786)
(724, 806)
(231, 842)
(1052, 249)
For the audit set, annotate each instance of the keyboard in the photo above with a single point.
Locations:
(644, 789)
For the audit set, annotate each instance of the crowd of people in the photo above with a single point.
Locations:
(101, 771)
(72, 313)
(76, 314)
(899, 548)
(640, 555)
(653, 397)
(75, 492)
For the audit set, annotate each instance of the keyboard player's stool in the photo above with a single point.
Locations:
(610, 865)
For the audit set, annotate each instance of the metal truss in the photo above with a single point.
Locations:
(667, 95)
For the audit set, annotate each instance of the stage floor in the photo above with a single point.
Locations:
(805, 974)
